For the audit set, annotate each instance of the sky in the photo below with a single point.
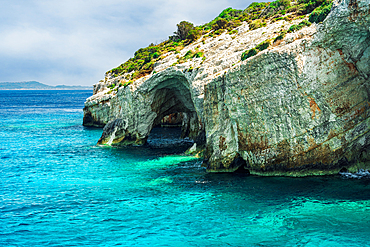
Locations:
(74, 42)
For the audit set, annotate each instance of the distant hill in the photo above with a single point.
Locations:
(35, 85)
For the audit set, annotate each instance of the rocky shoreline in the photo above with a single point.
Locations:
(300, 107)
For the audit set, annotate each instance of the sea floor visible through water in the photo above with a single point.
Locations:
(58, 188)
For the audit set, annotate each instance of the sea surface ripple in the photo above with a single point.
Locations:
(58, 188)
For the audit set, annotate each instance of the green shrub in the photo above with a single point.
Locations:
(220, 23)
(252, 52)
(280, 36)
(156, 54)
(278, 19)
(293, 8)
(255, 7)
(233, 32)
(188, 54)
(194, 34)
(127, 83)
(135, 75)
(230, 13)
(198, 54)
(303, 23)
(249, 53)
(227, 18)
(183, 29)
(320, 13)
(218, 32)
(142, 61)
(293, 28)
(256, 24)
(307, 6)
(279, 3)
(263, 46)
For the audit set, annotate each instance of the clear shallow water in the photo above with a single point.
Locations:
(57, 188)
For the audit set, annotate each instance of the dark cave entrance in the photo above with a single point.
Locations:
(176, 124)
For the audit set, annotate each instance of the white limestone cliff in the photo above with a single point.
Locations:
(300, 107)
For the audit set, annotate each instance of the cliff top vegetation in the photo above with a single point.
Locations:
(256, 15)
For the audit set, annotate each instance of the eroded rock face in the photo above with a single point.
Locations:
(299, 108)
(132, 114)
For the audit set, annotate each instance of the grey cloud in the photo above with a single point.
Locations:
(74, 42)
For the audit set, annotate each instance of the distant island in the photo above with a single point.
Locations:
(35, 85)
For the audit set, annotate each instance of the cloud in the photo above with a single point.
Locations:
(74, 42)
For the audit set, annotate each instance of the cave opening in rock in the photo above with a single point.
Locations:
(343, 170)
(172, 120)
(175, 115)
(242, 170)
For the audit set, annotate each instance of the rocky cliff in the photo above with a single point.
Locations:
(299, 107)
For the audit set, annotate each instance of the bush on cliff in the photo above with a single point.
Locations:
(280, 3)
(189, 55)
(220, 23)
(302, 24)
(307, 6)
(320, 13)
(194, 34)
(252, 52)
(230, 13)
(249, 53)
(127, 83)
(256, 24)
(142, 62)
(276, 7)
(224, 19)
(183, 29)
(230, 18)
(280, 36)
(256, 14)
(263, 46)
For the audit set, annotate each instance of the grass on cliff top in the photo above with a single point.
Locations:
(257, 15)
(321, 10)
(143, 61)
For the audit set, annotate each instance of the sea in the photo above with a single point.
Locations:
(59, 188)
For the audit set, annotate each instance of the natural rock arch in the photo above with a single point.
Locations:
(172, 96)
(299, 108)
(165, 93)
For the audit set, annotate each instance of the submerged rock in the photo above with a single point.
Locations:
(300, 107)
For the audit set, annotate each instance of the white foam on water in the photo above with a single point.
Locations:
(358, 175)
(109, 143)
(72, 110)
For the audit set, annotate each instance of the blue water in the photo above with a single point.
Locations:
(58, 188)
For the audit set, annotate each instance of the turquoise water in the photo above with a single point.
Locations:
(58, 188)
